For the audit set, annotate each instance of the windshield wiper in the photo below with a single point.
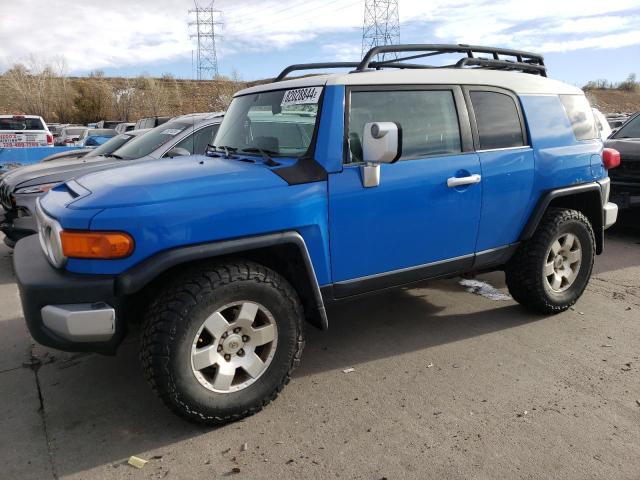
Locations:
(111, 155)
(228, 151)
(265, 155)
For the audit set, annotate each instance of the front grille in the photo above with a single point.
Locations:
(5, 196)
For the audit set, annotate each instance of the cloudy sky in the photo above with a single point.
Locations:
(581, 39)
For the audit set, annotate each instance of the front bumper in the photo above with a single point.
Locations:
(63, 310)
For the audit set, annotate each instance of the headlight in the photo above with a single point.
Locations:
(49, 234)
(44, 188)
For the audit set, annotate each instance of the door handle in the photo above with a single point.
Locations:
(458, 181)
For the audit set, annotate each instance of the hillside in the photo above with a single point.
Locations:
(614, 101)
(89, 99)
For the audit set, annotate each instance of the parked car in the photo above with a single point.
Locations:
(56, 130)
(348, 184)
(72, 135)
(97, 137)
(125, 127)
(19, 189)
(108, 123)
(625, 180)
(602, 125)
(24, 131)
(105, 149)
(151, 122)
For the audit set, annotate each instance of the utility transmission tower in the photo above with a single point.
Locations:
(381, 25)
(206, 20)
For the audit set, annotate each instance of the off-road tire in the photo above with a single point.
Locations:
(180, 308)
(524, 272)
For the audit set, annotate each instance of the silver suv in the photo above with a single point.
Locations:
(19, 188)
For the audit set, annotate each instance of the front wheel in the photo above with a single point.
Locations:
(220, 342)
(550, 271)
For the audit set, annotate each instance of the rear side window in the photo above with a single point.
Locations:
(497, 119)
(428, 119)
(581, 116)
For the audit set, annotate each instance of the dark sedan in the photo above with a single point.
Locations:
(625, 180)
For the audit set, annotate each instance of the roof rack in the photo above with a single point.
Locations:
(525, 62)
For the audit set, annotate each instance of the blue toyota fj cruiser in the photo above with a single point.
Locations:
(321, 189)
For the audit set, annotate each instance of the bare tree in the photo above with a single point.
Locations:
(123, 98)
(32, 85)
(225, 89)
(154, 96)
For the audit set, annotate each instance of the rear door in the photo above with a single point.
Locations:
(412, 225)
(507, 162)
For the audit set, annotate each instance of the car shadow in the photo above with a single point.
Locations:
(100, 409)
(6, 264)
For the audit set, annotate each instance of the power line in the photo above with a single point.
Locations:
(207, 19)
(381, 25)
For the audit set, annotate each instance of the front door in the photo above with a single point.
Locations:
(417, 223)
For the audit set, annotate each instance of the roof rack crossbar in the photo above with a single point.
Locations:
(440, 49)
(328, 65)
(502, 64)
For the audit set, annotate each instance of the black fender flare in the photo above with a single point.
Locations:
(591, 188)
(136, 278)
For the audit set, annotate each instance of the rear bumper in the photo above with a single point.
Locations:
(610, 214)
(63, 310)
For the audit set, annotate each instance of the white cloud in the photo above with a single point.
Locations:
(94, 34)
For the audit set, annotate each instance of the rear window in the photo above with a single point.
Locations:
(17, 123)
(581, 116)
(73, 131)
(497, 119)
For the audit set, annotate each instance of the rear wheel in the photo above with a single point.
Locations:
(550, 271)
(221, 341)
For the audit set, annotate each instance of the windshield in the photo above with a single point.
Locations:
(630, 129)
(280, 122)
(147, 143)
(110, 146)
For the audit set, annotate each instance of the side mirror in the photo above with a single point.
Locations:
(177, 152)
(381, 143)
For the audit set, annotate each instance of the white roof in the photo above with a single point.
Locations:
(519, 83)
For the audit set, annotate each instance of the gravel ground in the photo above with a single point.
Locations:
(447, 383)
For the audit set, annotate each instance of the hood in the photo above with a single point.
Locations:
(165, 180)
(56, 171)
(629, 148)
(70, 155)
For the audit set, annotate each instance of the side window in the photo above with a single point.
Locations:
(497, 120)
(202, 138)
(581, 116)
(428, 119)
(197, 142)
(187, 143)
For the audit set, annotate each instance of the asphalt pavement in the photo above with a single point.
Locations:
(446, 384)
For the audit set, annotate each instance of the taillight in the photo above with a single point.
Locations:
(49, 139)
(610, 158)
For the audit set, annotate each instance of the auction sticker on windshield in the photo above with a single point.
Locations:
(171, 131)
(301, 96)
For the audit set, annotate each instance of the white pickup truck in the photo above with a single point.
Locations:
(24, 131)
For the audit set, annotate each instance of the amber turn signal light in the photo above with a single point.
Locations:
(96, 245)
